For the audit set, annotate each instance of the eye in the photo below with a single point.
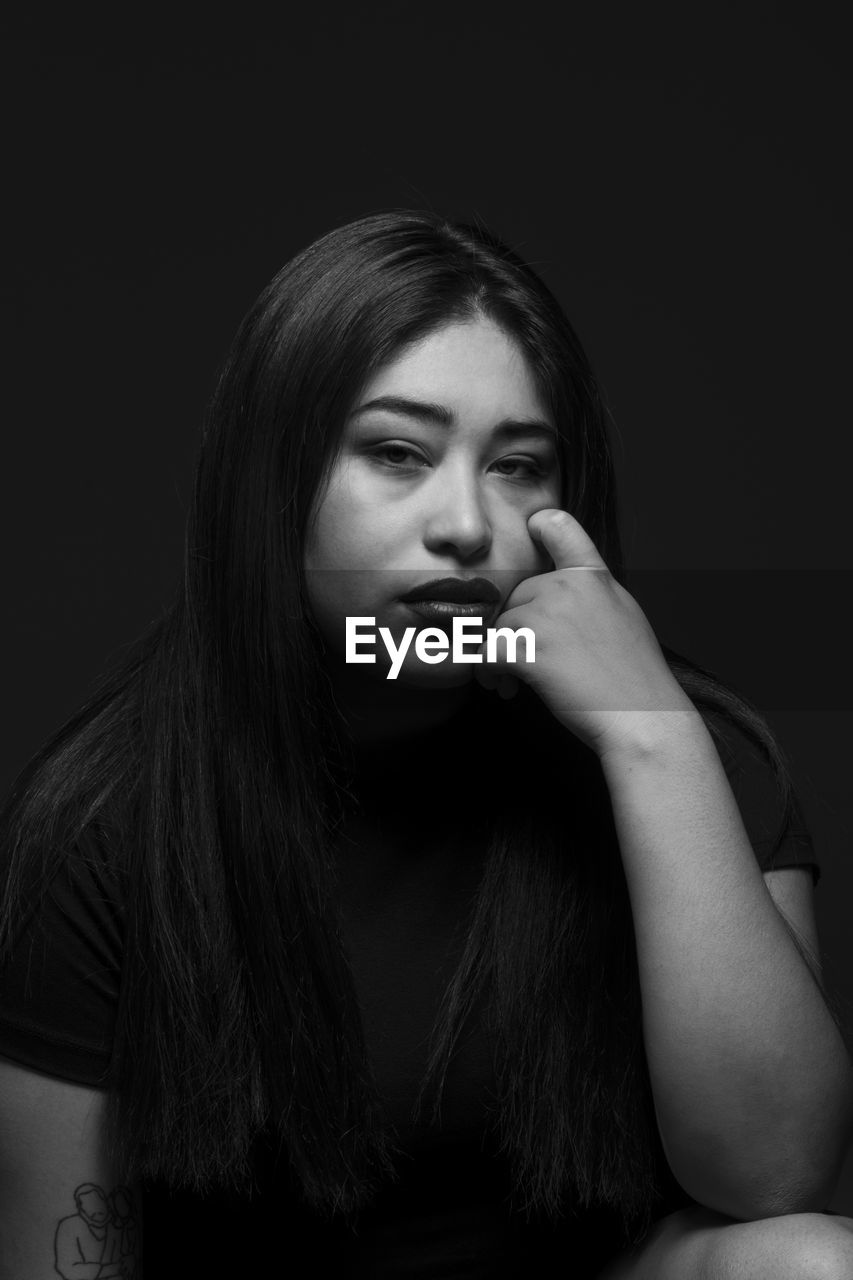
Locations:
(399, 457)
(521, 468)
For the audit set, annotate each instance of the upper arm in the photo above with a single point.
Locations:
(53, 1144)
(792, 891)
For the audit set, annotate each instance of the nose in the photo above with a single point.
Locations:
(457, 521)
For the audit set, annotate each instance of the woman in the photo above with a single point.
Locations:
(473, 970)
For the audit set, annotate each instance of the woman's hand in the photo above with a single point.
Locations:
(598, 665)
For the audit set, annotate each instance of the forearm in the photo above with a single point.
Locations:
(750, 1077)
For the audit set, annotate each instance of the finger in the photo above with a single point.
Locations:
(514, 616)
(565, 539)
(524, 593)
(508, 666)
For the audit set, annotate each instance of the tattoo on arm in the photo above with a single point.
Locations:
(99, 1240)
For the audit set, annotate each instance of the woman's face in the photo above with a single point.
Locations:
(445, 455)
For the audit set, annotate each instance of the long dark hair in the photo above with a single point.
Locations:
(209, 765)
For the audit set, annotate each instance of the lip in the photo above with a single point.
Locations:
(455, 591)
(446, 610)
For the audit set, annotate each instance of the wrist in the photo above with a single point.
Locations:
(639, 737)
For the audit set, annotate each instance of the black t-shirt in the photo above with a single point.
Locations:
(403, 894)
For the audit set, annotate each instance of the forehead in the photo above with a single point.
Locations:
(473, 366)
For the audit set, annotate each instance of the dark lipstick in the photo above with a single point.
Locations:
(457, 590)
(447, 598)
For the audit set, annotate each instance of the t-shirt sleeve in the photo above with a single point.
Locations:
(776, 843)
(59, 987)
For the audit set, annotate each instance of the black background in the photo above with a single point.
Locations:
(678, 174)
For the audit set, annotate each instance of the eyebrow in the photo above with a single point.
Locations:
(439, 415)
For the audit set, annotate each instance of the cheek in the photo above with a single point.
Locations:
(340, 558)
(351, 528)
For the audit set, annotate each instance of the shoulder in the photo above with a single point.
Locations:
(85, 881)
(60, 975)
